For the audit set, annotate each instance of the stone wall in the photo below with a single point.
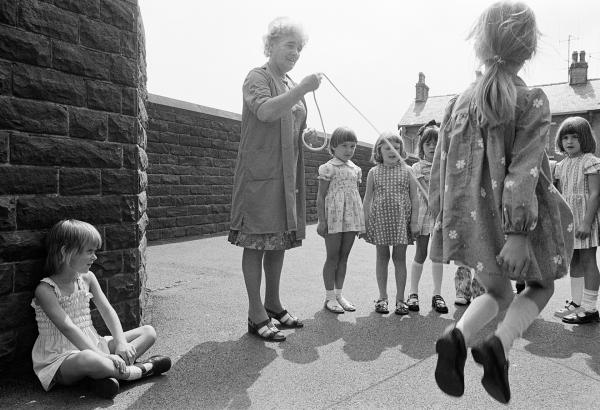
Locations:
(72, 141)
(192, 152)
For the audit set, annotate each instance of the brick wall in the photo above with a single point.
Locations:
(192, 152)
(72, 140)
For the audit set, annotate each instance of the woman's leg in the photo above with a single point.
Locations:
(399, 258)
(381, 269)
(417, 265)
(252, 269)
(272, 264)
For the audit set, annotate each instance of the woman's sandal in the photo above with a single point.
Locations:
(381, 306)
(265, 330)
(285, 319)
(333, 306)
(345, 304)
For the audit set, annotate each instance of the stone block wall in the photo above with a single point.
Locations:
(192, 152)
(72, 145)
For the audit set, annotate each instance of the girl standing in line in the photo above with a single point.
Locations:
(340, 213)
(428, 137)
(68, 347)
(391, 210)
(578, 179)
(497, 209)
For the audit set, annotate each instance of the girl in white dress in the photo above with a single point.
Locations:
(68, 347)
(578, 179)
(340, 213)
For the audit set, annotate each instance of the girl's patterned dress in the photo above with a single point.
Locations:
(389, 219)
(422, 170)
(52, 347)
(571, 174)
(487, 182)
(343, 206)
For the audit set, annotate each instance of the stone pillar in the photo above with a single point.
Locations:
(72, 145)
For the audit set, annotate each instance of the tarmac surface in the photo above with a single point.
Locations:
(362, 360)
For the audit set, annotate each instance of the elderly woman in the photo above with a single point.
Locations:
(268, 209)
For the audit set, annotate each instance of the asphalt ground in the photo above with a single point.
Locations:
(197, 303)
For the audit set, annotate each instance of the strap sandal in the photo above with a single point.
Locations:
(490, 354)
(345, 304)
(265, 330)
(401, 308)
(569, 308)
(381, 306)
(450, 367)
(582, 317)
(285, 319)
(333, 306)
(413, 302)
(439, 304)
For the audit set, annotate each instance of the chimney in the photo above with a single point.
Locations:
(422, 89)
(578, 69)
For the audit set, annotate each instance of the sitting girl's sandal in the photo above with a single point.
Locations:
(285, 319)
(333, 306)
(345, 304)
(265, 330)
(381, 306)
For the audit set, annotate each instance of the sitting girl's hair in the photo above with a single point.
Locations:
(339, 136)
(505, 37)
(428, 132)
(391, 136)
(66, 238)
(580, 127)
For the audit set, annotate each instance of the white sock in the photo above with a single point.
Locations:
(437, 271)
(416, 270)
(478, 314)
(134, 373)
(329, 294)
(589, 300)
(577, 289)
(519, 316)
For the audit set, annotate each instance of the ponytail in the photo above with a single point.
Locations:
(496, 94)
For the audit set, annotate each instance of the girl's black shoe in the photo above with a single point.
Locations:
(450, 368)
(490, 354)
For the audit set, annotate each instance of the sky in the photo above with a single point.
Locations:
(373, 51)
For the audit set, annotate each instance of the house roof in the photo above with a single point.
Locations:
(563, 98)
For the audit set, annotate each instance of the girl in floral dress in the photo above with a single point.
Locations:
(391, 207)
(578, 179)
(340, 213)
(497, 209)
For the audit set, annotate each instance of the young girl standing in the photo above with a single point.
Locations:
(578, 179)
(68, 347)
(391, 210)
(497, 209)
(340, 213)
(428, 136)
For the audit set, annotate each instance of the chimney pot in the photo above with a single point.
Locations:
(582, 56)
(422, 91)
(574, 56)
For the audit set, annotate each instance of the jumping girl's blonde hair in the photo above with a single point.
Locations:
(505, 37)
(339, 136)
(580, 127)
(280, 27)
(66, 238)
(392, 137)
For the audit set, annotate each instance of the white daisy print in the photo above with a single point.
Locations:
(570, 227)
(452, 234)
(509, 184)
(494, 184)
(460, 164)
(474, 215)
(446, 188)
(534, 172)
(480, 142)
(443, 155)
(552, 188)
(437, 226)
(557, 260)
(483, 193)
(537, 103)
(503, 161)
(479, 267)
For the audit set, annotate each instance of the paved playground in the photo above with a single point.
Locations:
(360, 360)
